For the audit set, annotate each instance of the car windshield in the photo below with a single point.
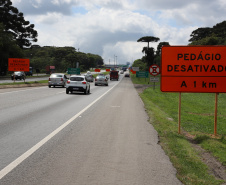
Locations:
(55, 76)
(76, 78)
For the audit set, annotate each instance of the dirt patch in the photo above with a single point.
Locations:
(215, 167)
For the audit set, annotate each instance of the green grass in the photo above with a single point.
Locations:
(33, 82)
(197, 119)
(141, 80)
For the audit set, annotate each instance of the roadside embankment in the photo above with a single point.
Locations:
(23, 85)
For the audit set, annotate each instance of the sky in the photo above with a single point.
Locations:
(111, 28)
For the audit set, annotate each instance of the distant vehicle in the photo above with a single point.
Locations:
(57, 79)
(78, 83)
(50, 69)
(18, 75)
(114, 75)
(127, 75)
(89, 77)
(101, 80)
(124, 68)
(30, 72)
(121, 72)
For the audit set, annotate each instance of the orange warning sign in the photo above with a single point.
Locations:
(18, 64)
(193, 69)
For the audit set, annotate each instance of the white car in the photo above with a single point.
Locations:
(78, 83)
(101, 80)
(57, 79)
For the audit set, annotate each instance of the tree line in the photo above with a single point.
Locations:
(201, 36)
(61, 57)
(17, 36)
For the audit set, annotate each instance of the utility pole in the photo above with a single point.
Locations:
(116, 61)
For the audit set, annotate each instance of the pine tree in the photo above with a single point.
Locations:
(13, 20)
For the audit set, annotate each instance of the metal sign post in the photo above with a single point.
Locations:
(179, 113)
(154, 70)
(215, 114)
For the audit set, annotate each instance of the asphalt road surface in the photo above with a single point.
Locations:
(104, 138)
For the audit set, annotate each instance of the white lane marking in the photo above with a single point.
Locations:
(22, 90)
(20, 159)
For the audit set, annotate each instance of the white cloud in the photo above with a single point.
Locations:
(112, 27)
(125, 52)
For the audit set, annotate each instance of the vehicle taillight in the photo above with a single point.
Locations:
(95, 79)
(49, 79)
(83, 82)
(68, 81)
(62, 79)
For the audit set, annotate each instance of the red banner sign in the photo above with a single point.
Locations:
(97, 70)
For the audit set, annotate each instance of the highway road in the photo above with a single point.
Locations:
(49, 137)
(36, 77)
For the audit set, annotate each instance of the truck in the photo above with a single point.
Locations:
(114, 75)
(50, 69)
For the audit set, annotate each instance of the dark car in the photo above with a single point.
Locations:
(18, 75)
(28, 73)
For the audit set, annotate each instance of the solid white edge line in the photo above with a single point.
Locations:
(20, 159)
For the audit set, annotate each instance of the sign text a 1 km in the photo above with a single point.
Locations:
(193, 69)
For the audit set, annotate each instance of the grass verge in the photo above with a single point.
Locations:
(105, 73)
(197, 120)
(33, 82)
